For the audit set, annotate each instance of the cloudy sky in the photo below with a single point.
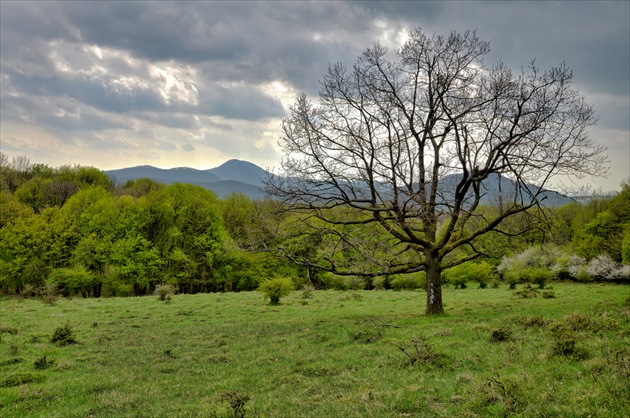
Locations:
(116, 84)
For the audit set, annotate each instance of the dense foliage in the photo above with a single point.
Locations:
(71, 231)
(92, 238)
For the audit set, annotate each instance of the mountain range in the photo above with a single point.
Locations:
(237, 176)
(234, 176)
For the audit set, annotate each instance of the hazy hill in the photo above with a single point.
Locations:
(237, 176)
(233, 176)
(240, 171)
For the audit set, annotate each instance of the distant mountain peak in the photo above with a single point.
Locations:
(233, 176)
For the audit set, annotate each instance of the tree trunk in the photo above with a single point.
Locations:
(434, 284)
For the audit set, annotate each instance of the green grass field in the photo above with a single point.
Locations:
(335, 354)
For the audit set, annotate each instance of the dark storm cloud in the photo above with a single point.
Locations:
(152, 68)
(591, 37)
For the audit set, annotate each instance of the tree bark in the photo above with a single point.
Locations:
(434, 284)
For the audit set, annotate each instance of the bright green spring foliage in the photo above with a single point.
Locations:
(276, 288)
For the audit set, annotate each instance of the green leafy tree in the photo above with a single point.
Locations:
(605, 233)
(11, 209)
(137, 263)
(73, 280)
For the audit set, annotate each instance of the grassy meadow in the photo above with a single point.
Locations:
(320, 354)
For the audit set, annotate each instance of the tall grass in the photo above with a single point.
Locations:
(332, 354)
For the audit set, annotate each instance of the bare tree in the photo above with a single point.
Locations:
(4, 160)
(21, 164)
(391, 163)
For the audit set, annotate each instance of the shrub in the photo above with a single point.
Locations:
(237, 402)
(419, 351)
(409, 281)
(566, 344)
(537, 275)
(583, 276)
(164, 292)
(73, 280)
(527, 292)
(565, 337)
(63, 335)
(501, 334)
(49, 294)
(378, 283)
(307, 292)
(481, 272)
(623, 273)
(625, 246)
(43, 363)
(354, 282)
(532, 321)
(496, 390)
(602, 267)
(459, 282)
(539, 265)
(335, 282)
(276, 288)
(512, 278)
(28, 291)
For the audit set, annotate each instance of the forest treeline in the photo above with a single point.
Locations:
(72, 230)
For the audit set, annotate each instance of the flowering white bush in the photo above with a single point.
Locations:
(601, 267)
(575, 265)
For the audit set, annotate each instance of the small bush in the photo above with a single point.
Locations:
(43, 363)
(537, 275)
(354, 283)
(28, 291)
(480, 272)
(419, 351)
(307, 292)
(409, 281)
(237, 402)
(582, 276)
(512, 279)
(566, 344)
(527, 292)
(164, 292)
(565, 337)
(532, 321)
(459, 282)
(367, 335)
(49, 293)
(63, 335)
(602, 268)
(378, 283)
(496, 390)
(549, 294)
(501, 335)
(574, 322)
(335, 282)
(276, 288)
